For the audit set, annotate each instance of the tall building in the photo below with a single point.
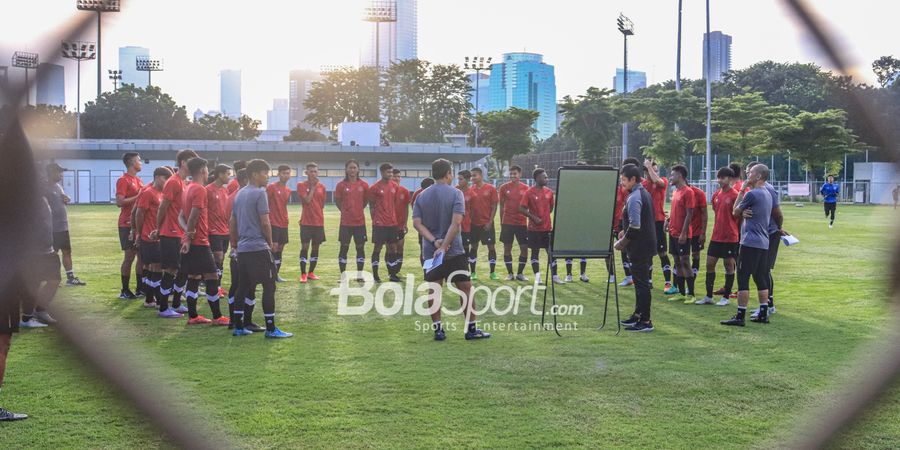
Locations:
(483, 93)
(51, 84)
(299, 84)
(278, 118)
(397, 41)
(636, 80)
(524, 80)
(230, 93)
(128, 65)
(720, 47)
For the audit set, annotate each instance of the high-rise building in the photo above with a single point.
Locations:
(299, 85)
(524, 80)
(483, 94)
(51, 84)
(636, 80)
(397, 41)
(230, 93)
(128, 65)
(720, 47)
(278, 118)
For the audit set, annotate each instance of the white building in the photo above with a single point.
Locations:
(278, 117)
(230, 93)
(397, 41)
(128, 65)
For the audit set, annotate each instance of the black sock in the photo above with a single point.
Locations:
(771, 290)
(303, 261)
(729, 283)
(391, 259)
(473, 261)
(695, 266)
(535, 262)
(507, 261)
(125, 279)
(231, 310)
(277, 257)
(70, 274)
(270, 321)
(472, 327)
(376, 257)
(552, 266)
(165, 289)
(626, 265)
(212, 297)
(492, 260)
(763, 311)
(249, 306)
(342, 258)
(583, 266)
(153, 287)
(690, 284)
(569, 267)
(666, 267)
(360, 259)
(139, 280)
(313, 261)
(679, 283)
(178, 290)
(191, 293)
(522, 260)
(742, 312)
(710, 282)
(399, 263)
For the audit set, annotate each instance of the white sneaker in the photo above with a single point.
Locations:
(510, 277)
(830, 225)
(169, 314)
(32, 323)
(537, 278)
(705, 301)
(612, 278)
(723, 302)
(181, 309)
(626, 282)
(44, 317)
(557, 280)
(585, 278)
(521, 277)
(569, 278)
(755, 313)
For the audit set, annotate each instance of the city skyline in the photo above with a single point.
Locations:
(525, 81)
(721, 57)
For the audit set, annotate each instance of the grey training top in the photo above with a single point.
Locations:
(249, 204)
(776, 202)
(754, 231)
(436, 206)
(55, 196)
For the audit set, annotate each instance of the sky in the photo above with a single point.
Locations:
(268, 38)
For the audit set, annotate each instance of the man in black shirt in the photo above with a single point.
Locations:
(638, 240)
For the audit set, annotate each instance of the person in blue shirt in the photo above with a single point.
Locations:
(830, 191)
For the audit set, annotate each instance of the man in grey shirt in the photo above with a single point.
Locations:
(753, 258)
(437, 216)
(58, 200)
(775, 233)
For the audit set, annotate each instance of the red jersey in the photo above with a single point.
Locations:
(697, 224)
(467, 217)
(621, 197)
(172, 192)
(229, 206)
(682, 200)
(195, 196)
(402, 206)
(127, 186)
(725, 227)
(382, 198)
(484, 200)
(148, 201)
(539, 202)
(233, 185)
(278, 199)
(219, 214)
(352, 197)
(412, 201)
(658, 195)
(312, 214)
(511, 196)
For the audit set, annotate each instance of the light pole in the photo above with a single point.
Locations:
(115, 76)
(380, 12)
(708, 108)
(79, 51)
(477, 63)
(25, 60)
(626, 27)
(678, 55)
(149, 65)
(100, 6)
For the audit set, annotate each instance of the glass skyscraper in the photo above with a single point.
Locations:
(484, 92)
(128, 65)
(525, 81)
(51, 84)
(230, 93)
(720, 46)
(636, 80)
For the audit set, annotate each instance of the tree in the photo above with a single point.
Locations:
(817, 140)
(46, 121)
(224, 128)
(742, 125)
(659, 116)
(302, 134)
(591, 121)
(346, 95)
(556, 143)
(508, 133)
(803, 87)
(136, 113)
(887, 69)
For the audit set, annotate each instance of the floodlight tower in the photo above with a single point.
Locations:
(25, 60)
(626, 27)
(477, 63)
(79, 51)
(380, 12)
(115, 76)
(100, 6)
(149, 65)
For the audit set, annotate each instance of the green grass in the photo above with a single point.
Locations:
(369, 381)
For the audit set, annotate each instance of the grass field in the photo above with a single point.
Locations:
(375, 382)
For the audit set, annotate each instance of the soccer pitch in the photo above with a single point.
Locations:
(379, 382)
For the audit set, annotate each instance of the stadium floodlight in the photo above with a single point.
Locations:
(477, 63)
(115, 76)
(100, 6)
(626, 27)
(79, 51)
(332, 68)
(25, 60)
(380, 12)
(149, 65)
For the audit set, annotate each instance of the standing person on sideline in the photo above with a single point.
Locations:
(830, 192)
(312, 221)
(657, 187)
(350, 198)
(513, 223)
(145, 223)
(618, 212)
(484, 201)
(896, 194)
(217, 201)
(382, 200)
(776, 220)
(638, 238)
(755, 206)
(233, 185)
(169, 232)
(681, 214)
(437, 216)
(251, 237)
(537, 204)
(250, 301)
(698, 235)
(279, 195)
(401, 208)
(425, 184)
(725, 238)
(58, 201)
(128, 187)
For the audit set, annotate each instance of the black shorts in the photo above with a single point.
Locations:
(510, 232)
(466, 238)
(661, 234)
(457, 266)
(255, 268)
(150, 253)
(280, 235)
(752, 263)
(401, 233)
(170, 252)
(723, 249)
(384, 235)
(219, 243)
(774, 243)
(123, 238)
(677, 249)
(357, 234)
(309, 233)
(483, 234)
(538, 239)
(696, 245)
(198, 261)
(829, 207)
(61, 241)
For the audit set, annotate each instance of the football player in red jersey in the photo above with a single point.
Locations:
(279, 195)
(350, 198)
(128, 187)
(513, 223)
(312, 221)
(484, 201)
(537, 204)
(401, 208)
(381, 198)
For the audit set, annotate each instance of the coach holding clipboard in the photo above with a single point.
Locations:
(638, 240)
